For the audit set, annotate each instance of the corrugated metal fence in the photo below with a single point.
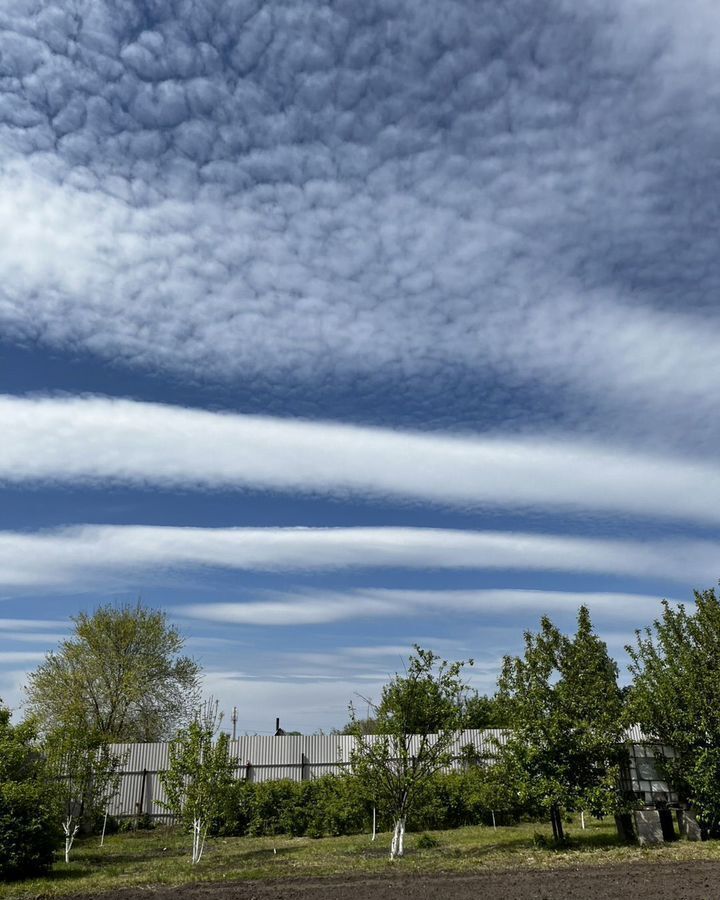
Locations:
(300, 757)
(259, 758)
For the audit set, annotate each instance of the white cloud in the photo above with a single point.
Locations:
(19, 656)
(38, 637)
(91, 555)
(321, 607)
(75, 439)
(30, 625)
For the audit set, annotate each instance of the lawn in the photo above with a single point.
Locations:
(162, 856)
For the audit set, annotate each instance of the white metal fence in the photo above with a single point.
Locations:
(258, 758)
(301, 757)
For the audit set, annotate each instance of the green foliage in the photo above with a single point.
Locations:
(29, 827)
(481, 711)
(199, 775)
(119, 676)
(676, 697)
(335, 805)
(564, 708)
(457, 799)
(331, 805)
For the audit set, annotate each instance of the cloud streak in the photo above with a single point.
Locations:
(98, 440)
(321, 608)
(90, 554)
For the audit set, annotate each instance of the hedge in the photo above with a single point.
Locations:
(336, 805)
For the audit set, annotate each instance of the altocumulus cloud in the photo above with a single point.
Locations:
(411, 187)
(91, 555)
(102, 440)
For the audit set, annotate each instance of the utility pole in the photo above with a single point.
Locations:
(233, 719)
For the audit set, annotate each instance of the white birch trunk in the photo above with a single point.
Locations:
(70, 832)
(582, 820)
(102, 837)
(199, 830)
(374, 832)
(397, 846)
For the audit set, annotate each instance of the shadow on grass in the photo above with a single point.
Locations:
(580, 843)
(66, 873)
(104, 861)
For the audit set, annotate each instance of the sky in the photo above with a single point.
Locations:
(331, 328)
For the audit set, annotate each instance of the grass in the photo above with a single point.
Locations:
(163, 857)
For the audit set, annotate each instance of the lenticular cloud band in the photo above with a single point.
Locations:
(101, 440)
(92, 554)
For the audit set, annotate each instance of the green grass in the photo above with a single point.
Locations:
(163, 857)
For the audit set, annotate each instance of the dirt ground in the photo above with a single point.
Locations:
(679, 881)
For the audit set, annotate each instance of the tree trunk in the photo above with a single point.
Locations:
(397, 846)
(557, 826)
(70, 833)
(196, 849)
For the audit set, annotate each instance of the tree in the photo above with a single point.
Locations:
(198, 776)
(418, 721)
(86, 774)
(563, 708)
(481, 711)
(675, 697)
(29, 831)
(120, 674)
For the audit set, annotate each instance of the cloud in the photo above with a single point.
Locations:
(420, 192)
(98, 440)
(321, 607)
(91, 555)
(20, 656)
(30, 625)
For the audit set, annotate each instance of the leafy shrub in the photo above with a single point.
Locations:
(336, 806)
(277, 809)
(237, 809)
(29, 830)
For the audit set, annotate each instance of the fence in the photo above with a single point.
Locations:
(258, 758)
(301, 757)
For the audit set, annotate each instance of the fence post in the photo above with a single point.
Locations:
(141, 802)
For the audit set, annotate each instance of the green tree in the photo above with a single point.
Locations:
(675, 697)
(563, 708)
(120, 676)
(199, 776)
(418, 721)
(86, 775)
(29, 831)
(481, 711)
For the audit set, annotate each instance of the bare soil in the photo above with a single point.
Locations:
(676, 881)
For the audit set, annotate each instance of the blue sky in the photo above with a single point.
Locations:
(334, 327)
